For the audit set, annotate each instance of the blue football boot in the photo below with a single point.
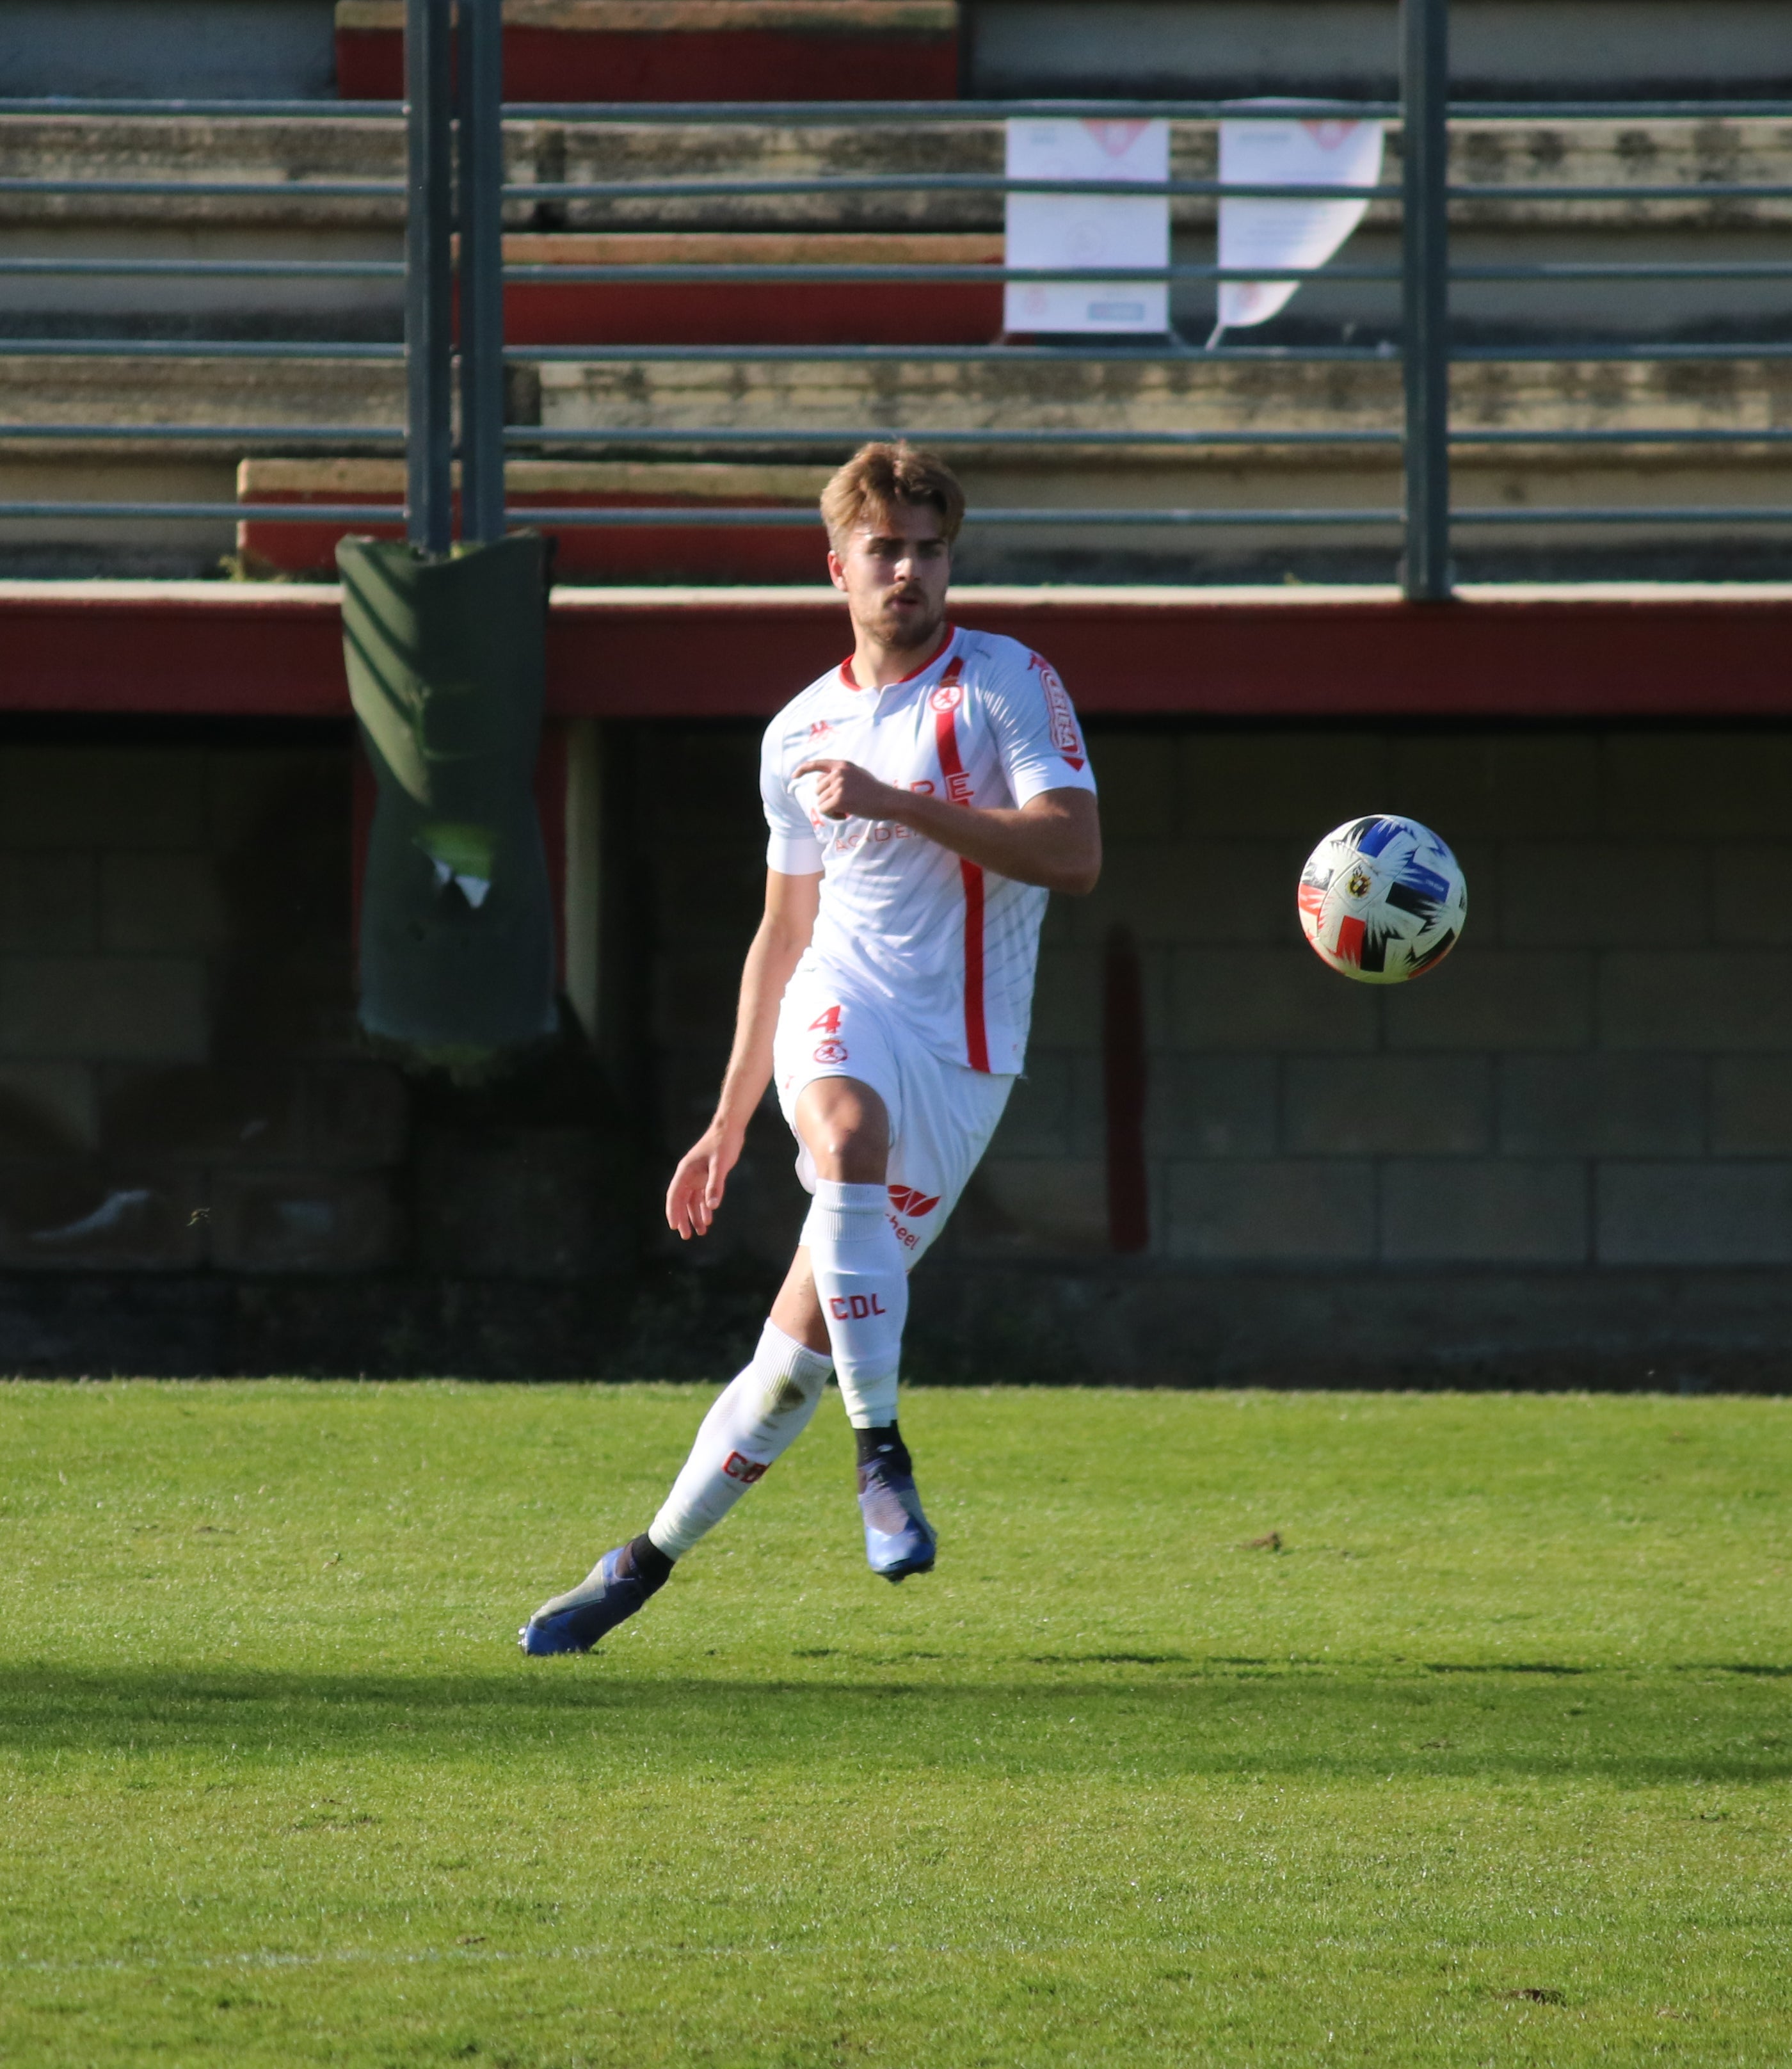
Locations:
(574, 1622)
(898, 1539)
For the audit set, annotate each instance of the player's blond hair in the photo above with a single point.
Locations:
(878, 477)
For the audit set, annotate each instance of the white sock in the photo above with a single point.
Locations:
(756, 1419)
(857, 1264)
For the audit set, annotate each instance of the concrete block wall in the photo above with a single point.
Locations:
(1601, 1074)
(180, 1082)
(184, 1089)
(1599, 1077)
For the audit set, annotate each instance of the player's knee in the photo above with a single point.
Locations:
(848, 1143)
(846, 1129)
(851, 1159)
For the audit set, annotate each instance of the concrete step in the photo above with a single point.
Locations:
(724, 312)
(282, 159)
(1108, 398)
(684, 49)
(1115, 397)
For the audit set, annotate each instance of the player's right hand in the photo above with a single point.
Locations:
(701, 1179)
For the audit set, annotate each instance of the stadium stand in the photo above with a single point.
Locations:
(578, 394)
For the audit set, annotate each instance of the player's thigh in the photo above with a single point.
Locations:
(823, 1038)
(949, 1114)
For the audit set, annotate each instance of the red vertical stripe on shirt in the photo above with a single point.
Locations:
(976, 1037)
(976, 1033)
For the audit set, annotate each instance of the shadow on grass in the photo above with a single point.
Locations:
(1709, 1723)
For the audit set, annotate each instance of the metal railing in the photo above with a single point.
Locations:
(456, 185)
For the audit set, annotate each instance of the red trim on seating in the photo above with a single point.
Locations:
(720, 64)
(744, 312)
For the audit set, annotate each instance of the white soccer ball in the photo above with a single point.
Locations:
(1381, 900)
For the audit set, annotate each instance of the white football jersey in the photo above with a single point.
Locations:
(951, 945)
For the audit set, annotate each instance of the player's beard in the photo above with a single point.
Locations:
(912, 630)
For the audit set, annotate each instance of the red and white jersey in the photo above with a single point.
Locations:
(951, 946)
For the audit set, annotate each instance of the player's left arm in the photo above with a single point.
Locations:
(1053, 840)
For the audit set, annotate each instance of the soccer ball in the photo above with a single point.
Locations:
(1382, 899)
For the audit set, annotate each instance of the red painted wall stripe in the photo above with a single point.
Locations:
(976, 1031)
(273, 650)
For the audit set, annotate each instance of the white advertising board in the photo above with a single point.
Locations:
(1060, 233)
(1256, 231)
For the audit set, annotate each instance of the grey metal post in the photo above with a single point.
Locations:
(429, 415)
(1425, 296)
(482, 275)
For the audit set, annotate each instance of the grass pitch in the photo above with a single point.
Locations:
(1486, 1761)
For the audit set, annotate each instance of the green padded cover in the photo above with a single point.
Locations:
(447, 667)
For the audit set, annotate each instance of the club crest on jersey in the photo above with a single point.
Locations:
(821, 726)
(947, 697)
(830, 1052)
(911, 1201)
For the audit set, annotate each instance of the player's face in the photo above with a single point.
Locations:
(894, 568)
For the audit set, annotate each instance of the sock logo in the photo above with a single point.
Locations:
(911, 1201)
(849, 1307)
(739, 1467)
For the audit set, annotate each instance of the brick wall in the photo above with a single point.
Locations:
(1601, 1074)
(1593, 1093)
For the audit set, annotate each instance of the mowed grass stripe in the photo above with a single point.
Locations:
(1232, 1728)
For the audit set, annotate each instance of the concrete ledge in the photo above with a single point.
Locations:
(1660, 1330)
(1624, 651)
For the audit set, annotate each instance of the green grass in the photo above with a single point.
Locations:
(1488, 1763)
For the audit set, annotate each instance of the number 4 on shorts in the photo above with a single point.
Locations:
(828, 1023)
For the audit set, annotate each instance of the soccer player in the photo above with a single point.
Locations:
(923, 798)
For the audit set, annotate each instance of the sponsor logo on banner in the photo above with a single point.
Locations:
(739, 1467)
(830, 1052)
(911, 1201)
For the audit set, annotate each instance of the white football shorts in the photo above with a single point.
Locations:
(941, 1114)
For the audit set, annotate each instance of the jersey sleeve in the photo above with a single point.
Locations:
(792, 850)
(1037, 733)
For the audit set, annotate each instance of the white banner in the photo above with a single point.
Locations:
(1265, 232)
(1060, 233)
